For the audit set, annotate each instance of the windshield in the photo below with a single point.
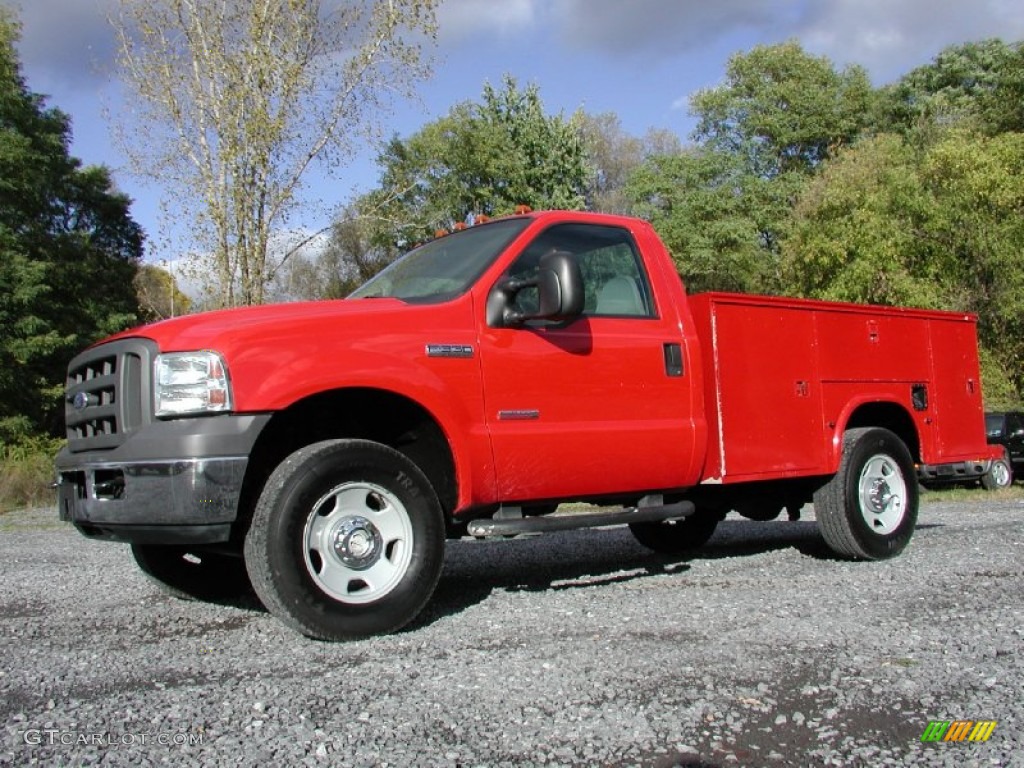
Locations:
(443, 268)
(994, 424)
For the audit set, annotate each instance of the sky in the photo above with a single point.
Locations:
(641, 59)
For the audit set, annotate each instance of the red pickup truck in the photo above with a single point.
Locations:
(323, 452)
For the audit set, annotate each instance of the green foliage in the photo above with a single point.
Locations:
(857, 231)
(26, 473)
(978, 85)
(943, 228)
(806, 181)
(614, 154)
(158, 294)
(482, 158)
(724, 208)
(998, 384)
(976, 182)
(715, 219)
(68, 253)
(782, 110)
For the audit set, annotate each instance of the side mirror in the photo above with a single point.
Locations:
(559, 285)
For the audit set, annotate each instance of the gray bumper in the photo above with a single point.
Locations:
(175, 482)
(961, 471)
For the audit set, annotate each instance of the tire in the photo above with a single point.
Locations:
(868, 510)
(193, 573)
(347, 540)
(677, 536)
(999, 475)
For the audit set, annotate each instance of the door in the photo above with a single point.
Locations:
(601, 404)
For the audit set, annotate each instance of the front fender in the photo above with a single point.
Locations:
(444, 380)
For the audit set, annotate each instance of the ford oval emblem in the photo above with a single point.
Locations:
(80, 401)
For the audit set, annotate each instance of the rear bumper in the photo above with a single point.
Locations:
(961, 471)
(175, 482)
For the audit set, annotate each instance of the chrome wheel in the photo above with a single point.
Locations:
(346, 541)
(883, 494)
(358, 542)
(868, 509)
(1000, 473)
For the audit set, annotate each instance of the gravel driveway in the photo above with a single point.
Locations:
(569, 649)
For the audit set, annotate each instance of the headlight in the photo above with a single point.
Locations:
(190, 382)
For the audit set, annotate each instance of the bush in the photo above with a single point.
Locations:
(27, 474)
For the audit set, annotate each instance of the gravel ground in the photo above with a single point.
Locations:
(564, 650)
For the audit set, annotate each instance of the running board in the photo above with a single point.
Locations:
(567, 522)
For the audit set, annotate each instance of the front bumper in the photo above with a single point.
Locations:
(172, 482)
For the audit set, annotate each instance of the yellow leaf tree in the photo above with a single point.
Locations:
(233, 100)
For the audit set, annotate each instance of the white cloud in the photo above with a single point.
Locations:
(70, 41)
(890, 38)
(458, 20)
(887, 37)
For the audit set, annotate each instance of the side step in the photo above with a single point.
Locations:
(511, 526)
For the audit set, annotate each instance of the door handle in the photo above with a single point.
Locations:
(673, 359)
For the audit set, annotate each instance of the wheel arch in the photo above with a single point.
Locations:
(887, 415)
(379, 415)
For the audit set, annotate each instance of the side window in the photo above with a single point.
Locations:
(615, 284)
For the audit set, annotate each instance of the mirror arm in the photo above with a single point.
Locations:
(499, 307)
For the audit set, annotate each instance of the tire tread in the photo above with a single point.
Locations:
(259, 543)
(831, 500)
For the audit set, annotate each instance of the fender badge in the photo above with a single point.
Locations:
(449, 350)
(528, 414)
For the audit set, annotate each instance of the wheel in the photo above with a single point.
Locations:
(675, 536)
(999, 475)
(347, 540)
(868, 510)
(193, 573)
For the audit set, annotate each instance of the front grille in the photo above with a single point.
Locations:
(107, 394)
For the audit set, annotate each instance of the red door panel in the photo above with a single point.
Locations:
(585, 409)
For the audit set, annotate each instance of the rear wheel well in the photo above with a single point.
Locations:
(892, 417)
(366, 414)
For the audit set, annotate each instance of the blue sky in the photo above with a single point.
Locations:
(641, 59)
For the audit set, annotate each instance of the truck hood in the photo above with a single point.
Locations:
(280, 353)
(225, 329)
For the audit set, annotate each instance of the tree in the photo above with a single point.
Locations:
(721, 224)
(863, 232)
(783, 110)
(889, 223)
(348, 260)
(235, 101)
(614, 154)
(158, 294)
(68, 252)
(481, 158)
(980, 83)
(979, 224)
(725, 207)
